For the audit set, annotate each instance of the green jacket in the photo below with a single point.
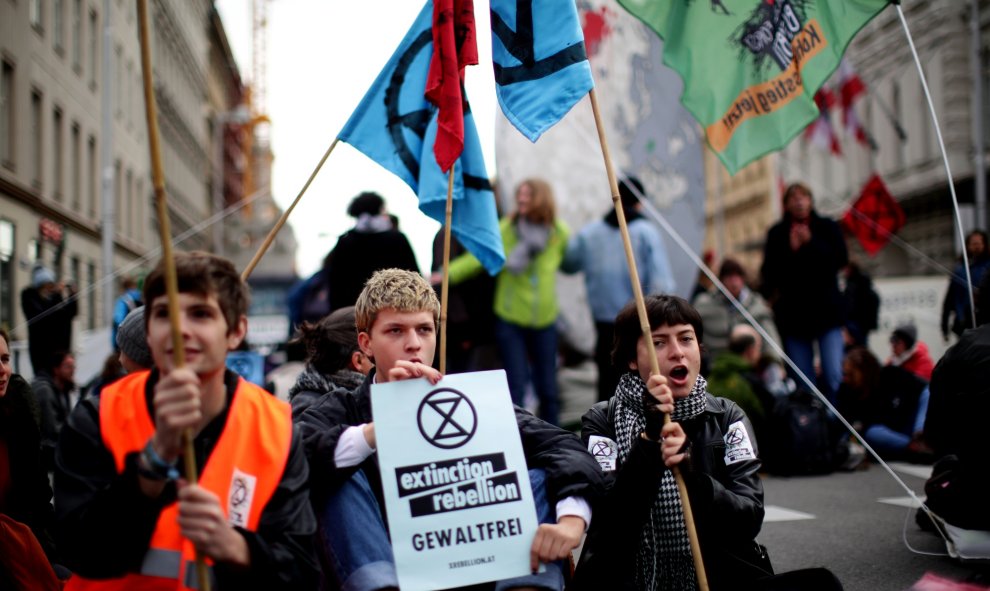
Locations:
(528, 299)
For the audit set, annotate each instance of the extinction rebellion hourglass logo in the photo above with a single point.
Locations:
(446, 418)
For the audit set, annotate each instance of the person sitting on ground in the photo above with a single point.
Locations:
(125, 520)
(132, 342)
(887, 405)
(735, 375)
(396, 316)
(54, 389)
(955, 425)
(334, 361)
(720, 316)
(639, 540)
(27, 547)
(910, 353)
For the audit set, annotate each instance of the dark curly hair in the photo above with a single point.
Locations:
(661, 309)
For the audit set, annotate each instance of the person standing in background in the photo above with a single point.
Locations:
(49, 308)
(526, 294)
(801, 261)
(956, 306)
(374, 243)
(598, 251)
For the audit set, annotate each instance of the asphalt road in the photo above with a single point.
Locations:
(855, 526)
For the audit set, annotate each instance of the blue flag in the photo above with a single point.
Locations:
(396, 126)
(541, 68)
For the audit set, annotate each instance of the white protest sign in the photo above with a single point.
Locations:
(460, 507)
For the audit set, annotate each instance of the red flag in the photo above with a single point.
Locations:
(874, 217)
(454, 47)
(820, 132)
(851, 87)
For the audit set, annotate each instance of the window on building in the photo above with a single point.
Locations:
(37, 111)
(58, 24)
(58, 162)
(129, 106)
(94, 47)
(125, 214)
(140, 202)
(35, 14)
(897, 107)
(7, 259)
(75, 271)
(92, 164)
(118, 196)
(91, 302)
(77, 35)
(7, 115)
(119, 82)
(76, 164)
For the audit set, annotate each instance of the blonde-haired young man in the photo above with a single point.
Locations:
(397, 315)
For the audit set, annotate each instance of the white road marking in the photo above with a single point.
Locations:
(920, 471)
(775, 513)
(904, 501)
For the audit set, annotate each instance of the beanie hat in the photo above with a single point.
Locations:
(131, 338)
(41, 275)
(906, 333)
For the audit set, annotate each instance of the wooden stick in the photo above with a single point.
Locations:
(445, 283)
(168, 260)
(644, 322)
(285, 216)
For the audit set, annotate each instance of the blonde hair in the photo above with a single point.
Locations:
(394, 289)
(542, 209)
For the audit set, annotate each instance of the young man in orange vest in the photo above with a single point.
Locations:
(397, 315)
(126, 519)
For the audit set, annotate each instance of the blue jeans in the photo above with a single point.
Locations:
(802, 353)
(530, 353)
(886, 440)
(355, 542)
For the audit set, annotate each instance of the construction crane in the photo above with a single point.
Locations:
(257, 137)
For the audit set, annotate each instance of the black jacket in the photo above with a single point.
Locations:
(49, 325)
(105, 522)
(358, 255)
(570, 470)
(55, 407)
(802, 286)
(727, 502)
(27, 496)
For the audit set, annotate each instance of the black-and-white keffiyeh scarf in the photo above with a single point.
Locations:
(664, 561)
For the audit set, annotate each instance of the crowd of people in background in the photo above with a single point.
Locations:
(368, 316)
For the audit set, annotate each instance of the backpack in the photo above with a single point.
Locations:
(798, 439)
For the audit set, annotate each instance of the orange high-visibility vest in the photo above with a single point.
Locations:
(243, 470)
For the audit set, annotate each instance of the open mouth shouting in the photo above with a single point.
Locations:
(679, 375)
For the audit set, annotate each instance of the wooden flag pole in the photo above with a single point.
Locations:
(168, 260)
(285, 216)
(445, 282)
(644, 323)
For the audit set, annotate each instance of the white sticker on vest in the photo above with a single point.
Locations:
(738, 445)
(241, 496)
(605, 451)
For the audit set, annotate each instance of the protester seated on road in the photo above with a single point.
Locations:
(132, 342)
(396, 316)
(955, 426)
(638, 539)
(335, 364)
(910, 353)
(26, 516)
(125, 518)
(887, 405)
(735, 375)
(55, 390)
(720, 316)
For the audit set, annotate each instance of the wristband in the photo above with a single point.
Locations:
(157, 468)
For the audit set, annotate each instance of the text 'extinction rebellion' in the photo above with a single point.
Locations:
(460, 483)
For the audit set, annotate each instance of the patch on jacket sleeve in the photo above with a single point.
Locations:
(605, 452)
(738, 445)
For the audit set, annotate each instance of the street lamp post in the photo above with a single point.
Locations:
(239, 115)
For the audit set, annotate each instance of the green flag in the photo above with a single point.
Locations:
(751, 67)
